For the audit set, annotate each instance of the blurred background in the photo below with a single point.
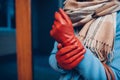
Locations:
(42, 44)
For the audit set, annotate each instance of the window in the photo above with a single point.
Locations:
(7, 15)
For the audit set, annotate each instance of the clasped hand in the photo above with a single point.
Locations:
(72, 51)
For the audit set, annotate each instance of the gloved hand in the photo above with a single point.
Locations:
(69, 57)
(62, 30)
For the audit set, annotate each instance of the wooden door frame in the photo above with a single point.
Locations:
(23, 39)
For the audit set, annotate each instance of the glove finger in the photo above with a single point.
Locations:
(53, 26)
(75, 63)
(59, 46)
(59, 56)
(53, 30)
(56, 24)
(59, 18)
(65, 50)
(71, 54)
(65, 16)
(72, 65)
(75, 57)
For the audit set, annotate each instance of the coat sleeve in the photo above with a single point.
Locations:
(91, 68)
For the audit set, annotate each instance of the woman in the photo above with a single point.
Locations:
(91, 51)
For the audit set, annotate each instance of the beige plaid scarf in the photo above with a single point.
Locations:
(98, 21)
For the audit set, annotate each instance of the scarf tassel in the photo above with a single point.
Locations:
(102, 50)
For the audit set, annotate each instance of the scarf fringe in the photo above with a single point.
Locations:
(101, 50)
(96, 34)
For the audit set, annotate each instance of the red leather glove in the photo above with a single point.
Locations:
(69, 57)
(62, 30)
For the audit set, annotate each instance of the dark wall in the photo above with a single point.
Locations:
(42, 19)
